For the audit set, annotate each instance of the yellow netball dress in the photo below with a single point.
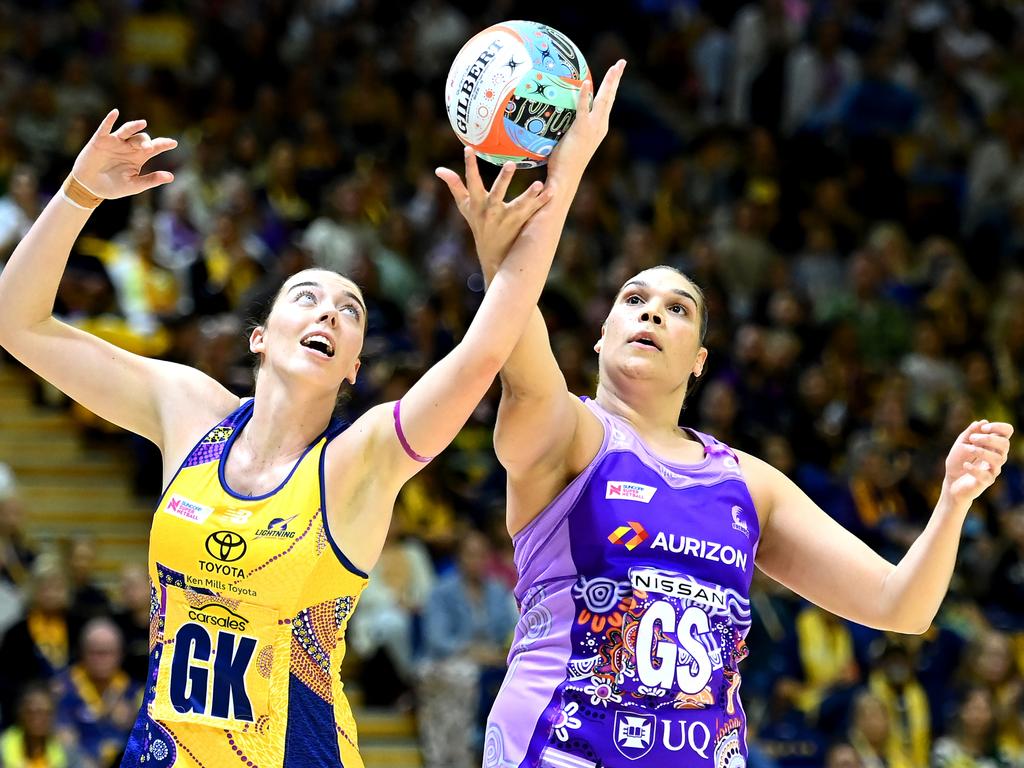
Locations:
(250, 600)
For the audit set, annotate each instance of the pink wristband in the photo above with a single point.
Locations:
(401, 436)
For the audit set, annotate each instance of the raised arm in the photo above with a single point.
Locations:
(810, 553)
(538, 418)
(438, 405)
(119, 386)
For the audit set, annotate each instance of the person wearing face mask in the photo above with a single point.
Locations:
(636, 540)
(273, 512)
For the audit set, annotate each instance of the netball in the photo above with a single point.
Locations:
(512, 89)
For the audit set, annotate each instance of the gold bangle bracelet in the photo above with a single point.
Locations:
(76, 193)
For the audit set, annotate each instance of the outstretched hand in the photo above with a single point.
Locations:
(976, 459)
(495, 224)
(110, 164)
(588, 130)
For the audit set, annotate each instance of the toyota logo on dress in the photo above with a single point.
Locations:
(226, 546)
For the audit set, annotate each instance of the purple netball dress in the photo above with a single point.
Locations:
(634, 587)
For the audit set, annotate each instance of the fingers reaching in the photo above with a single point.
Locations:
(583, 98)
(455, 185)
(158, 146)
(474, 184)
(129, 129)
(107, 124)
(535, 197)
(150, 180)
(139, 140)
(501, 182)
(609, 87)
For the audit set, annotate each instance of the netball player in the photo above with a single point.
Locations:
(636, 539)
(272, 513)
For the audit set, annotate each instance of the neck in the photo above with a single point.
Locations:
(973, 743)
(284, 421)
(35, 746)
(650, 413)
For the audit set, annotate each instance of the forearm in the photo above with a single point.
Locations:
(532, 370)
(914, 589)
(29, 282)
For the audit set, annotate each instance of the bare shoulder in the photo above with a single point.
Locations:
(190, 398)
(355, 454)
(532, 489)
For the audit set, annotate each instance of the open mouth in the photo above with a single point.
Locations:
(319, 343)
(645, 340)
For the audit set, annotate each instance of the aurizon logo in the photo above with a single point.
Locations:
(638, 537)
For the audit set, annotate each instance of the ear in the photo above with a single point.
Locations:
(600, 341)
(257, 342)
(351, 377)
(698, 364)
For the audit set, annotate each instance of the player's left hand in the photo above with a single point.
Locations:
(976, 459)
(495, 224)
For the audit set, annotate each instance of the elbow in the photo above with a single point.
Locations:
(906, 624)
(484, 367)
(915, 628)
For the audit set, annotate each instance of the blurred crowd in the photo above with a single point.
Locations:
(844, 179)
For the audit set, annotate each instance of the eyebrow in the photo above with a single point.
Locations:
(677, 291)
(312, 284)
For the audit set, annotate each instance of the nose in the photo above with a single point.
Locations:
(330, 316)
(650, 316)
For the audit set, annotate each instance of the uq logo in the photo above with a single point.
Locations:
(216, 688)
(634, 734)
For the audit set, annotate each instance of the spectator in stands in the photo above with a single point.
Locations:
(383, 633)
(871, 735)
(133, 619)
(18, 208)
(39, 646)
(96, 699)
(467, 629)
(16, 554)
(33, 741)
(828, 665)
(894, 685)
(972, 741)
(88, 600)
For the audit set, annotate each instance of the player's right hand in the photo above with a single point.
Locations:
(110, 164)
(495, 224)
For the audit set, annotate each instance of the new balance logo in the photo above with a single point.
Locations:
(632, 535)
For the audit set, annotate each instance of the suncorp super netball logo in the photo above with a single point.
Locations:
(618, 489)
(187, 509)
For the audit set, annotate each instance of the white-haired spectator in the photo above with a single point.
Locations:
(97, 700)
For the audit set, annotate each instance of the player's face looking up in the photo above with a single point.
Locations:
(316, 325)
(655, 328)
